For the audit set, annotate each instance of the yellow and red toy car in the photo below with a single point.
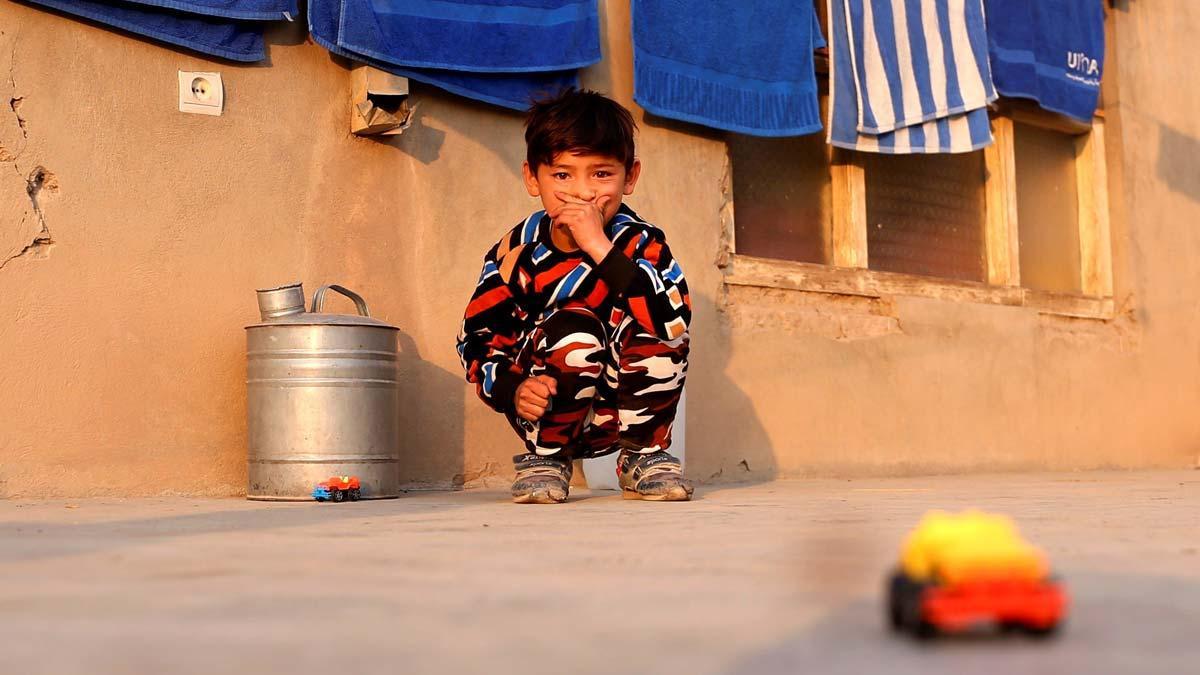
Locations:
(958, 571)
(338, 489)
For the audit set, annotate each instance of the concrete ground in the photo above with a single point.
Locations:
(781, 577)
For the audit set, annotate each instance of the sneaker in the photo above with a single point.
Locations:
(541, 480)
(653, 476)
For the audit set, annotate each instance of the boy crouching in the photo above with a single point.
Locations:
(578, 327)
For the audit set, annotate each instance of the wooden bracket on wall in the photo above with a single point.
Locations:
(379, 102)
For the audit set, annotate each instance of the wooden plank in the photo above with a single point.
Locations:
(1001, 243)
(1095, 238)
(751, 271)
(1066, 304)
(848, 238)
(1028, 112)
(769, 273)
(727, 214)
(747, 270)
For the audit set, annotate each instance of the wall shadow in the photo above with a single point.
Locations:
(737, 443)
(739, 447)
(419, 141)
(288, 34)
(432, 413)
(473, 120)
(683, 127)
(1179, 162)
(37, 540)
(488, 127)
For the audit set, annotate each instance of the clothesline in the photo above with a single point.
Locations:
(747, 66)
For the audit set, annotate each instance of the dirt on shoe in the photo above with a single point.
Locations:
(654, 476)
(541, 480)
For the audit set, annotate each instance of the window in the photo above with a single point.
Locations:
(781, 193)
(1047, 209)
(925, 214)
(1022, 222)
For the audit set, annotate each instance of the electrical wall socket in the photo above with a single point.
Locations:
(201, 93)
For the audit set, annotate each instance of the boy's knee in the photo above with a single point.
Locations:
(572, 343)
(647, 344)
(579, 322)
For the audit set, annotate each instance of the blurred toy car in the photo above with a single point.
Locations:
(338, 489)
(960, 571)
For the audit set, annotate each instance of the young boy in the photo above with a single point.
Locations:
(578, 328)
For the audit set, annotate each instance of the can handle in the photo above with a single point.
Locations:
(319, 299)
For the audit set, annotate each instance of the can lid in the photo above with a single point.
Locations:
(323, 319)
(294, 284)
(316, 317)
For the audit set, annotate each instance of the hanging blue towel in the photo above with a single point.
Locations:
(909, 76)
(234, 40)
(482, 36)
(738, 65)
(251, 10)
(510, 90)
(1051, 51)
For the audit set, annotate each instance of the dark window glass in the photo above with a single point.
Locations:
(925, 214)
(781, 197)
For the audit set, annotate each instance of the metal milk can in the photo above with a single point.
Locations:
(321, 397)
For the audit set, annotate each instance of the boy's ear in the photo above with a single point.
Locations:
(631, 178)
(531, 184)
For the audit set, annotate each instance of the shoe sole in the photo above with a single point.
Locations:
(675, 494)
(541, 497)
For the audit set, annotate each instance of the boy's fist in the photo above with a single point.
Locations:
(533, 397)
(585, 220)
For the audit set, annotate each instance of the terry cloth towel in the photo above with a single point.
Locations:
(1051, 51)
(909, 76)
(510, 90)
(251, 10)
(479, 36)
(739, 65)
(228, 39)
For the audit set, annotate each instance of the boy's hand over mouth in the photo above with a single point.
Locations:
(585, 219)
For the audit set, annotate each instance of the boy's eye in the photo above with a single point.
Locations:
(603, 174)
(561, 175)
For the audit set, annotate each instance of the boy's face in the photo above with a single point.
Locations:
(586, 177)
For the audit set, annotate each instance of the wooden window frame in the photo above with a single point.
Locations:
(846, 270)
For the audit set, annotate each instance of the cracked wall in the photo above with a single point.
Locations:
(24, 231)
(38, 182)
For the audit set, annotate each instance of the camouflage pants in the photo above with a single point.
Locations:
(617, 387)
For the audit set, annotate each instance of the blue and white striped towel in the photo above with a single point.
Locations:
(909, 76)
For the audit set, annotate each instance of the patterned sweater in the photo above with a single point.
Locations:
(525, 278)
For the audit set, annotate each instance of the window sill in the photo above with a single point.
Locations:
(743, 270)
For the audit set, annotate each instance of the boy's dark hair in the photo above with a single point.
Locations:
(578, 121)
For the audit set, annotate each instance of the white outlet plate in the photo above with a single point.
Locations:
(201, 93)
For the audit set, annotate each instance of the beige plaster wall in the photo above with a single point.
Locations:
(129, 273)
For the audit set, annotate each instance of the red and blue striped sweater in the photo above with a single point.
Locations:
(525, 278)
